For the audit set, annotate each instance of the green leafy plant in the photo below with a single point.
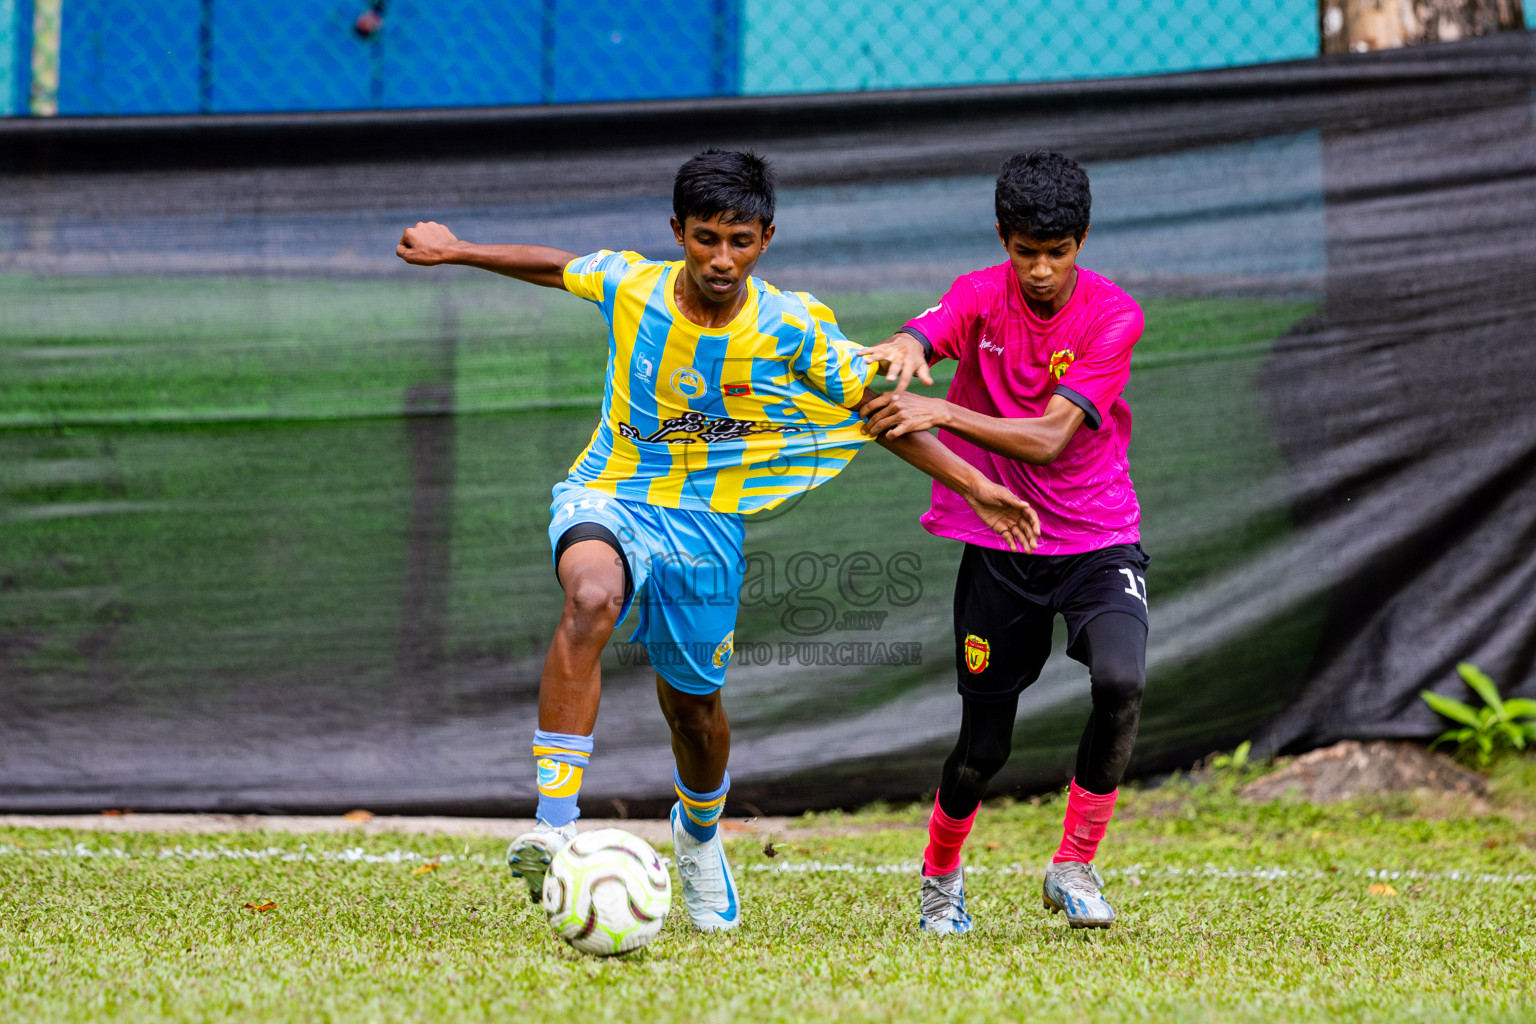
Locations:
(1499, 726)
(1235, 761)
(1229, 770)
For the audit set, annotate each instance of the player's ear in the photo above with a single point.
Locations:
(767, 236)
(677, 230)
(1083, 237)
(1001, 237)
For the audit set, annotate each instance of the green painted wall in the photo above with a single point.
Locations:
(13, 52)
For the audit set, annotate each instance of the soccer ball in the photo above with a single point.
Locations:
(607, 892)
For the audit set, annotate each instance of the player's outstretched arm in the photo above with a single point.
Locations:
(1009, 515)
(429, 244)
(900, 357)
(1037, 440)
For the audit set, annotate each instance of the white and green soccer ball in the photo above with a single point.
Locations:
(607, 892)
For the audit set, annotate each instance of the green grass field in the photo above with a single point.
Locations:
(1394, 909)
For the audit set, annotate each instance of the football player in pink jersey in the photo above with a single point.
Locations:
(1043, 351)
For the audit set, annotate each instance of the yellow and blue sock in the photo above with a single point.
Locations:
(561, 759)
(701, 811)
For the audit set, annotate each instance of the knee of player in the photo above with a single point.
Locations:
(696, 719)
(980, 763)
(1118, 683)
(591, 607)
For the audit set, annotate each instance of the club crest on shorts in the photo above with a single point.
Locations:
(1061, 362)
(723, 652)
(688, 382)
(977, 653)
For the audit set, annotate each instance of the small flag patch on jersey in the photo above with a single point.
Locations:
(737, 390)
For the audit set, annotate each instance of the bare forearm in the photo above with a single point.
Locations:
(925, 452)
(1037, 441)
(536, 264)
(430, 244)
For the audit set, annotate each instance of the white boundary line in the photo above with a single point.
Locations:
(1136, 872)
(1133, 873)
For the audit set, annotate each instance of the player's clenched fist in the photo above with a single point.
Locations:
(427, 244)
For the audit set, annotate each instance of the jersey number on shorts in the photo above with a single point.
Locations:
(590, 505)
(1138, 587)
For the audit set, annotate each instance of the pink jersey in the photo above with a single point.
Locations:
(1010, 364)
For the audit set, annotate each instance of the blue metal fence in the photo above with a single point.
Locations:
(15, 56)
(217, 56)
(110, 57)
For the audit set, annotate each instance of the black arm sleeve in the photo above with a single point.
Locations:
(927, 345)
(1090, 411)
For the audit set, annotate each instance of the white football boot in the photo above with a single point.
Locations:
(1075, 888)
(942, 909)
(709, 892)
(530, 854)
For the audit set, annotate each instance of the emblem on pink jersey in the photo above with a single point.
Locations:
(1061, 362)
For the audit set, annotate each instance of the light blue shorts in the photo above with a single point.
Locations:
(685, 568)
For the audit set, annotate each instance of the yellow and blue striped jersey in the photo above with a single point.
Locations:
(730, 419)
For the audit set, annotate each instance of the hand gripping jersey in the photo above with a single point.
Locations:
(729, 419)
(1010, 365)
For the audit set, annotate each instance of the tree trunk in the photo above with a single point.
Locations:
(1354, 26)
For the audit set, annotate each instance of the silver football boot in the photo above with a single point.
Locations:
(942, 908)
(1075, 888)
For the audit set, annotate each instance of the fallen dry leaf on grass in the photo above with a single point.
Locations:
(430, 865)
(263, 906)
(1382, 890)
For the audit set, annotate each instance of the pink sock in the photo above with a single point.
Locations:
(945, 837)
(1088, 815)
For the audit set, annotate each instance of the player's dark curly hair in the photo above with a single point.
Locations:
(1042, 195)
(721, 181)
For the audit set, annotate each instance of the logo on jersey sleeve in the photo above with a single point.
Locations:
(977, 653)
(592, 264)
(723, 652)
(688, 382)
(737, 390)
(1061, 362)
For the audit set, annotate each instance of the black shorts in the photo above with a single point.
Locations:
(1006, 605)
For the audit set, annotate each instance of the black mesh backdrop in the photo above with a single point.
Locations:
(272, 505)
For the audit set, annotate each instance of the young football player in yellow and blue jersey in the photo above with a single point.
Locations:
(724, 397)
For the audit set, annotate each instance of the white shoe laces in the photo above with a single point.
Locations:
(1079, 879)
(708, 885)
(942, 894)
